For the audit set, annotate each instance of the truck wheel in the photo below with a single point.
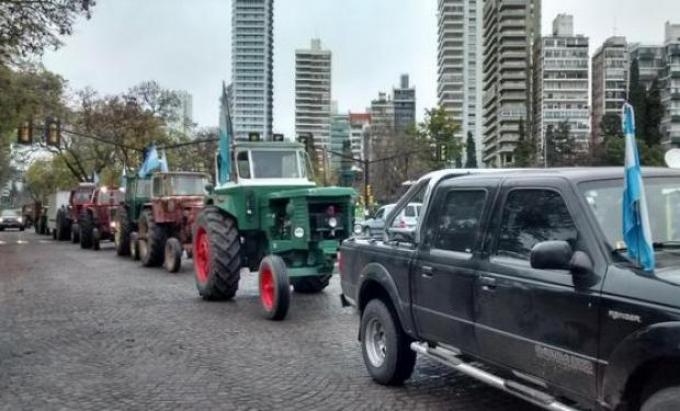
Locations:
(310, 285)
(274, 287)
(86, 230)
(134, 246)
(173, 255)
(385, 346)
(63, 227)
(123, 229)
(217, 255)
(54, 233)
(667, 399)
(96, 239)
(75, 233)
(152, 238)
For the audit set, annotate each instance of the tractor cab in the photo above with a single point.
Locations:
(106, 196)
(177, 195)
(271, 163)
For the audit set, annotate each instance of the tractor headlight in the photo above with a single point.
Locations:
(112, 224)
(332, 222)
(299, 232)
(358, 229)
(1, 220)
(20, 219)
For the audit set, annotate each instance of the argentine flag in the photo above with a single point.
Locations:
(636, 229)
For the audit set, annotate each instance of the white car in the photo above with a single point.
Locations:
(374, 226)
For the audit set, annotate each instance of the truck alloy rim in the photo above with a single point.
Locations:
(202, 256)
(267, 287)
(375, 342)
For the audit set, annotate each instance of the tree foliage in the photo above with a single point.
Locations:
(30, 26)
(525, 150)
(45, 176)
(470, 151)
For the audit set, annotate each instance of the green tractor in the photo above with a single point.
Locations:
(266, 214)
(137, 194)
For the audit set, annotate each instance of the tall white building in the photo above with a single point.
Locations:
(313, 93)
(670, 83)
(561, 85)
(511, 27)
(609, 82)
(459, 57)
(252, 64)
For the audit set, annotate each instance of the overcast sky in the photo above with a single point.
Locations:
(185, 44)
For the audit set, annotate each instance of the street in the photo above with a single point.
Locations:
(90, 330)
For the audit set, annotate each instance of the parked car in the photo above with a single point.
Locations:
(375, 226)
(521, 279)
(11, 219)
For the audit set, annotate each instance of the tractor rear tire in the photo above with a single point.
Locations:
(311, 285)
(123, 229)
(134, 246)
(173, 255)
(274, 288)
(217, 255)
(86, 225)
(153, 237)
(75, 233)
(63, 228)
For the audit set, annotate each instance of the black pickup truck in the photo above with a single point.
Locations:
(521, 280)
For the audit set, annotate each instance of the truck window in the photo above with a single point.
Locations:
(531, 217)
(456, 226)
(243, 164)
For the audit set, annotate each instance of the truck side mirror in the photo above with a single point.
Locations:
(551, 255)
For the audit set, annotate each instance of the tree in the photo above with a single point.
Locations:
(470, 152)
(29, 27)
(561, 146)
(45, 176)
(438, 131)
(525, 150)
(654, 111)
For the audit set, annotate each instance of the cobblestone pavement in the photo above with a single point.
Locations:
(89, 330)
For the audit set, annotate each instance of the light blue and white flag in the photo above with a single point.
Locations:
(151, 163)
(636, 230)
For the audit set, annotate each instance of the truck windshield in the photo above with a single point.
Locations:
(277, 164)
(8, 213)
(663, 203)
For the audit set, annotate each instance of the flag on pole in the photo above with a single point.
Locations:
(636, 229)
(123, 178)
(151, 162)
(226, 132)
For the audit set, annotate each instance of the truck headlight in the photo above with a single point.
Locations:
(112, 224)
(1, 220)
(332, 222)
(20, 219)
(299, 232)
(358, 229)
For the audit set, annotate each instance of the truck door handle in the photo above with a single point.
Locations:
(488, 283)
(427, 271)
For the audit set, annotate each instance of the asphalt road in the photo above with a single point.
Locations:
(82, 329)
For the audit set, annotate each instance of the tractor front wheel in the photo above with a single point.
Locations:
(274, 288)
(152, 238)
(134, 246)
(217, 255)
(173, 255)
(96, 239)
(311, 285)
(75, 233)
(122, 235)
(86, 225)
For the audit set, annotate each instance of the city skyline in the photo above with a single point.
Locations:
(406, 43)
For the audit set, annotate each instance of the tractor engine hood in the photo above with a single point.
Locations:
(316, 192)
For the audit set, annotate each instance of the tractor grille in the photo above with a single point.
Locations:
(319, 216)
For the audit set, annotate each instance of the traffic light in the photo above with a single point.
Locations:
(25, 133)
(52, 132)
(253, 136)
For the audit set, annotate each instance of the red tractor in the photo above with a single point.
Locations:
(165, 224)
(97, 217)
(67, 218)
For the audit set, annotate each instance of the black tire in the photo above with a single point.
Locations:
(310, 285)
(75, 233)
(54, 234)
(216, 255)
(96, 239)
(666, 399)
(86, 225)
(63, 226)
(398, 358)
(123, 229)
(134, 246)
(274, 288)
(173, 255)
(152, 238)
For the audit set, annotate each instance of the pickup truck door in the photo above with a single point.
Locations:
(536, 321)
(443, 276)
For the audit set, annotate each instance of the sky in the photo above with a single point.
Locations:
(185, 45)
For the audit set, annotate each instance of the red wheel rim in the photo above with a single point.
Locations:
(267, 287)
(202, 255)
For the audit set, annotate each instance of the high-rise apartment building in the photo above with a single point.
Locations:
(561, 85)
(313, 93)
(184, 112)
(252, 64)
(670, 83)
(360, 127)
(459, 58)
(404, 100)
(609, 82)
(650, 60)
(511, 27)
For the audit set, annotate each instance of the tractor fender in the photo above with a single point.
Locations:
(375, 278)
(645, 346)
